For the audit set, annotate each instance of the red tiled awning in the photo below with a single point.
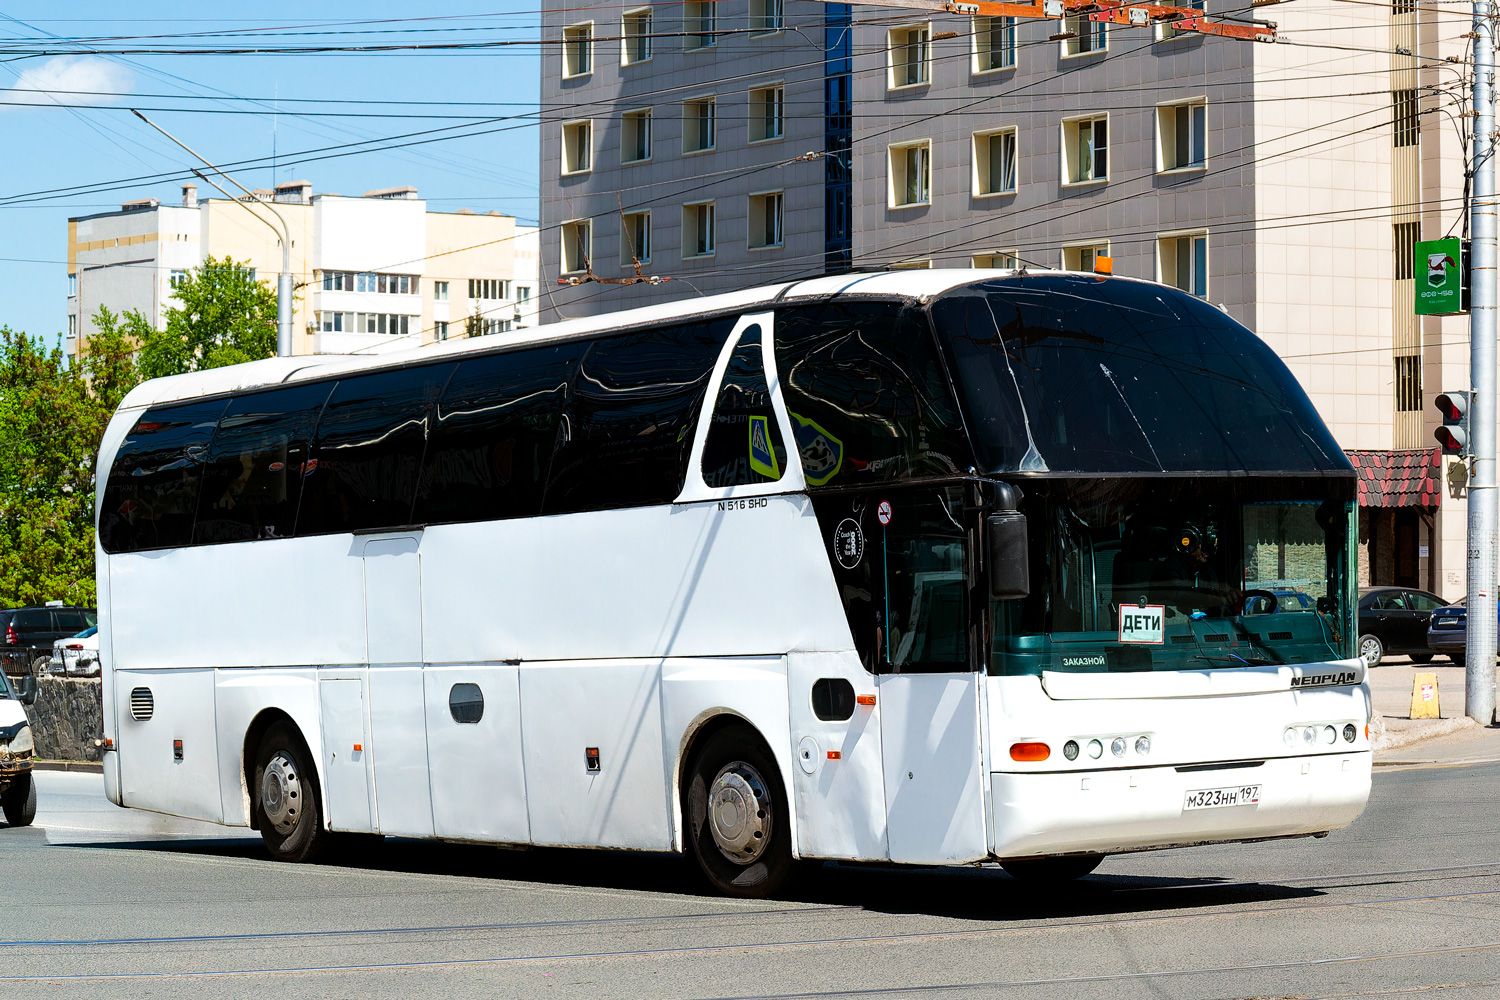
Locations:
(1408, 478)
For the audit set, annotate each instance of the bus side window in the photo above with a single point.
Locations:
(253, 477)
(151, 494)
(495, 433)
(628, 427)
(364, 468)
(867, 394)
(744, 443)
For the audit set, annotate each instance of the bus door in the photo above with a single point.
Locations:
(920, 543)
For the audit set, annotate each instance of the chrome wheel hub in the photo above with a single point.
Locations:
(739, 812)
(281, 793)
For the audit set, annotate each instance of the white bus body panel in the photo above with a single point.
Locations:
(151, 777)
(478, 781)
(241, 695)
(399, 758)
(347, 782)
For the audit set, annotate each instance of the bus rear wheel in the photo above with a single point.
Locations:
(738, 828)
(1038, 871)
(286, 796)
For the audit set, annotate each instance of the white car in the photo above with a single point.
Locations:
(77, 655)
(17, 793)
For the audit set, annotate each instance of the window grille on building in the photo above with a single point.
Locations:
(1408, 383)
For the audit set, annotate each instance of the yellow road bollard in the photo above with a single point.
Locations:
(1424, 697)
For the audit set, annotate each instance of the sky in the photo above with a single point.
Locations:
(70, 73)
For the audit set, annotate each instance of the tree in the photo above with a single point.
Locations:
(224, 317)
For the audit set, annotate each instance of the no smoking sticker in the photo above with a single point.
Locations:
(883, 512)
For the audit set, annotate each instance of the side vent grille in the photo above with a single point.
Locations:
(1279, 636)
(1216, 637)
(1184, 638)
(141, 704)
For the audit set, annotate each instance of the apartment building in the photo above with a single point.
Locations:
(726, 143)
(372, 272)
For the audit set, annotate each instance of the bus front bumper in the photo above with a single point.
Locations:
(1112, 811)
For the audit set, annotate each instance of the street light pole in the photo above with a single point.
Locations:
(284, 281)
(1483, 526)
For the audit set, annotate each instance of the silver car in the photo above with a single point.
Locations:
(77, 655)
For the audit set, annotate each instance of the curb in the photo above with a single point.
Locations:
(85, 766)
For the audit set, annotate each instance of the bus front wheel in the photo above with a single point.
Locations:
(1045, 870)
(738, 827)
(286, 796)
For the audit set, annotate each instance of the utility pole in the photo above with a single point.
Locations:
(1483, 509)
(284, 281)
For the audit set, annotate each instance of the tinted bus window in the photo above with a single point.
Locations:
(152, 491)
(629, 426)
(744, 443)
(867, 395)
(495, 434)
(256, 464)
(369, 451)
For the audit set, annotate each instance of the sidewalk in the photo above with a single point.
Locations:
(1402, 741)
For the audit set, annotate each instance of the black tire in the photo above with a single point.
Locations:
(19, 801)
(300, 836)
(1370, 649)
(738, 761)
(1421, 657)
(1051, 870)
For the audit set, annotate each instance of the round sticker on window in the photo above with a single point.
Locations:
(848, 543)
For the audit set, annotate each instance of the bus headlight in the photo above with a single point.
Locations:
(1143, 745)
(1309, 735)
(1117, 746)
(1330, 735)
(1349, 732)
(1289, 737)
(1070, 750)
(1096, 749)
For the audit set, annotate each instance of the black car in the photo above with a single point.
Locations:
(27, 634)
(1394, 620)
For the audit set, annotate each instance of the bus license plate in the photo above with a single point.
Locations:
(1212, 798)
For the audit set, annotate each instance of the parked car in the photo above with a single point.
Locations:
(1394, 620)
(77, 655)
(1286, 599)
(27, 634)
(1447, 633)
(17, 793)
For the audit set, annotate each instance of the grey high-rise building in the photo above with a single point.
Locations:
(725, 143)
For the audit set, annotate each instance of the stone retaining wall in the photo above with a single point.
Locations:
(67, 718)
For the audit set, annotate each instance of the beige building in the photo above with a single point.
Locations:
(372, 272)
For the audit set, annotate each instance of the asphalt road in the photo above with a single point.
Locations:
(103, 902)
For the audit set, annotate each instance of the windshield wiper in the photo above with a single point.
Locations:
(1235, 657)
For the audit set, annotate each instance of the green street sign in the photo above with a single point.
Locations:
(1438, 270)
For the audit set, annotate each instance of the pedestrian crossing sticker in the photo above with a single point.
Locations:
(762, 455)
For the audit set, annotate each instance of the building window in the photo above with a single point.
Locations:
(699, 22)
(578, 50)
(577, 248)
(635, 136)
(911, 174)
(766, 16)
(523, 293)
(1085, 150)
(1408, 127)
(994, 44)
(1166, 31)
(1408, 383)
(72, 325)
(369, 281)
(1182, 136)
(698, 125)
(767, 113)
(1404, 7)
(487, 288)
(1083, 258)
(995, 162)
(1183, 261)
(1406, 235)
(72, 285)
(698, 229)
(395, 325)
(911, 265)
(765, 220)
(578, 147)
(635, 239)
(1002, 259)
(1084, 37)
(910, 53)
(440, 291)
(440, 330)
(176, 279)
(635, 36)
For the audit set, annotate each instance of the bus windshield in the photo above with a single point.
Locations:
(1180, 574)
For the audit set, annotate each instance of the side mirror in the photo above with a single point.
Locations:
(1328, 605)
(1009, 567)
(26, 689)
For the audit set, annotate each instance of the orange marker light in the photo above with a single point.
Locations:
(358, 747)
(1029, 751)
(835, 755)
(865, 699)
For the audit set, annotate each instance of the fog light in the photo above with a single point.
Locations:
(1070, 750)
(1349, 732)
(1330, 735)
(1117, 746)
(1095, 749)
(1289, 737)
(1143, 745)
(1308, 736)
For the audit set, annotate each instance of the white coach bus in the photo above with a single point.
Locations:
(936, 567)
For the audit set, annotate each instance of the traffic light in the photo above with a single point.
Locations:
(1454, 434)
